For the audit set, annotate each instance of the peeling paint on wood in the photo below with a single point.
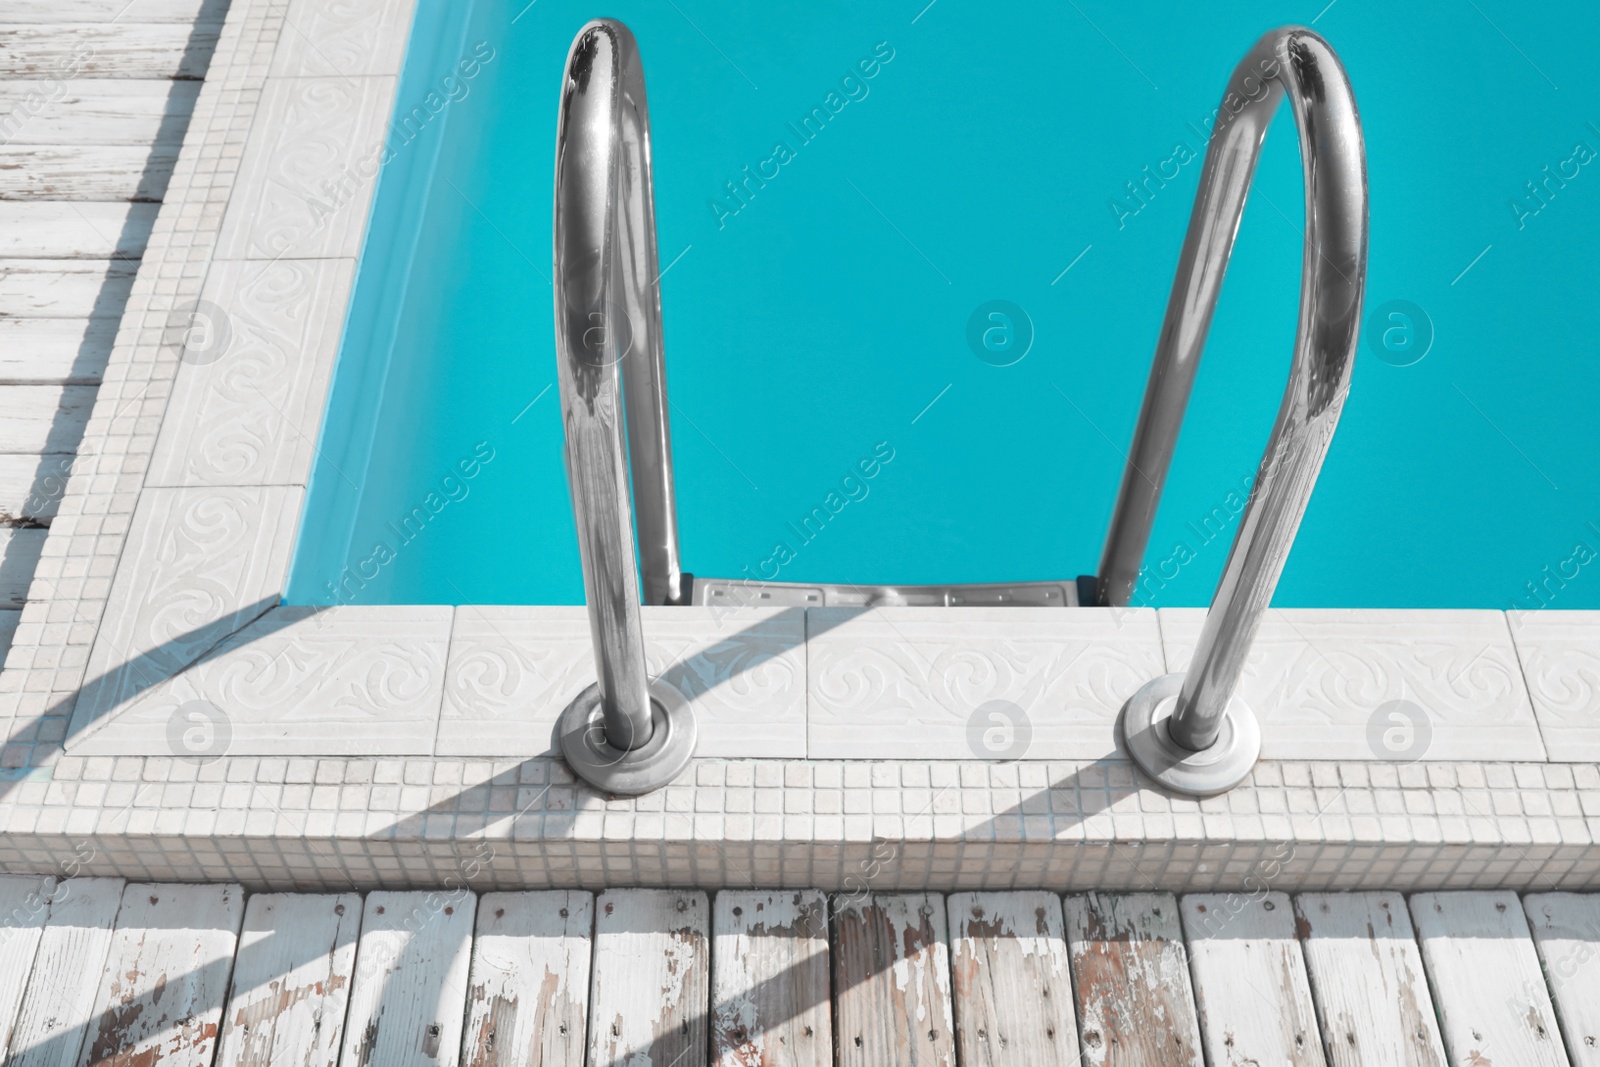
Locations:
(166, 975)
(44, 419)
(769, 985)
(57, 1008)
(74, 231)
(94, 111)
(1250, 984)
(649, 994)
(1566, 932)
(54, 350)
(1367, 980)
(409, 996)
(104, 50)
(105, 10)
(1494, 1009)
(1011, 980)
(891, 980)
(527, 997)
(137, 976)
(86, 172)
(65, 288)
(291, 982)
(24, 907)
(1130, 975)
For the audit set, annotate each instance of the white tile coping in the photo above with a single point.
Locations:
(821, 683)
(165, 713)
(309, 168)
(512, 671)
(1560, 656)
(250, 417)
(1316, 678)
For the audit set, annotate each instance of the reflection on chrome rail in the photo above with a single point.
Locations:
(617, 734)
(627, 734)
(1187, 731)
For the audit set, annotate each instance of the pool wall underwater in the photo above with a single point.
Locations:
(821, 279)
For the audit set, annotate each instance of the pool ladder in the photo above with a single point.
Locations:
(628, 734)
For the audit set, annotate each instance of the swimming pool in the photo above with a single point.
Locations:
(843, 199)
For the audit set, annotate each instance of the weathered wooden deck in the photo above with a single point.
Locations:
(95, 96)
(93, 971)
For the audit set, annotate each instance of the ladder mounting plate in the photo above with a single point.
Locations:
(741, 593)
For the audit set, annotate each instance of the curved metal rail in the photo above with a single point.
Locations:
(609, 349)
(1296, 62)
(629, 735)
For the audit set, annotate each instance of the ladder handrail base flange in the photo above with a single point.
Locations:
(580, 735)
(1142, 734)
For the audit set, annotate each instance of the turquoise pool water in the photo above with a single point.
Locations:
(822, 318)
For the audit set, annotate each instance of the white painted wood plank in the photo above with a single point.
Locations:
(55, 351)
(291, 981)
(1250, 984)
(769, 979)
(1130, 976)
(95, 111)
(31, 487)
(58, 1009)
(891, 981)
(106, 50)
(24, 907)
(106, 10)
(1566, 932)
(19, 558)
(41, 419)
(65, 288)
(1491, 998)
(648, 994)
(528, 996)
(1367, 980)
(51, 230)
(86, 172)
(166, 975)
(409, 996)
(1011, 980)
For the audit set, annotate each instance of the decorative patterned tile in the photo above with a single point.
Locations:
(247, 409)
(326, 38)
(298, 681)
(199, 563)
(1560, 654)
(1324, 684)
(975, 683)
(514, 669)
(309, 168)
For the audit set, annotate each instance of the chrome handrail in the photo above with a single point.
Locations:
(628, 734)
(622, 733)
(1187, 730)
